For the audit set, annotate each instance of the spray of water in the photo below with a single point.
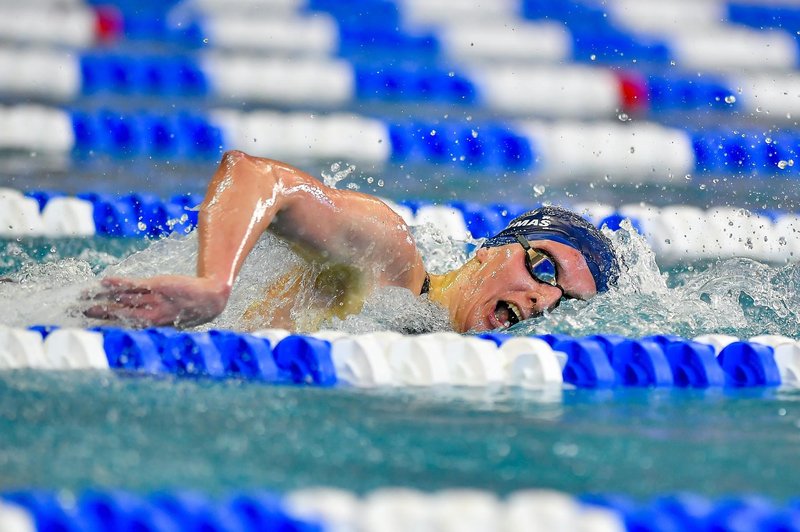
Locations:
(741, 297)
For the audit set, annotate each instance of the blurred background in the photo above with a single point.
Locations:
(570, 101)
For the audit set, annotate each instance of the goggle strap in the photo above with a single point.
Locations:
(523, 242)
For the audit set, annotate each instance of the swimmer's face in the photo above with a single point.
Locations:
(501, 290)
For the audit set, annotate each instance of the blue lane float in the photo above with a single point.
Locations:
(747, 364)
(694, 365)
(166, 511)
(587, 365)
(305, 360)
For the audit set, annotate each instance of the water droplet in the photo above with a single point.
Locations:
(474, 134)
(205, 40)
(451, 74)
(758, 109)
(633, 150)
(538, 190)
(672, 63)
(623, 117)
(782, 164)
(141, 225)
(433, 132)
(688, 177)
(768, 140)
(730, 98)
(380, 182)
(592, 57)
(791, 162)
(702, 187)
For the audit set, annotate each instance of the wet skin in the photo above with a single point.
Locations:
(249, 195)
(500, 274)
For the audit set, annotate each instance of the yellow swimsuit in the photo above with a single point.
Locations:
(306, 296)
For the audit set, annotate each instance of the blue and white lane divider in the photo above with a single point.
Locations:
(331, 358)
(613, 34)
(671, 230)
(570, 150)
(51, 214)
(586, 92)
(308, 510)
(387, 509)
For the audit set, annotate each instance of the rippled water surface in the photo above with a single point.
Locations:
(74, 430)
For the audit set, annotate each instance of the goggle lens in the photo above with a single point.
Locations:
(542, 268)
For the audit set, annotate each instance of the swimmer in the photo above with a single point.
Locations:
(360, 244)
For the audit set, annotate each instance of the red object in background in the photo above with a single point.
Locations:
(108, 23)
(633, 89)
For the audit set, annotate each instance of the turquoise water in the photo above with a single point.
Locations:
(75, 430)
(81, 429)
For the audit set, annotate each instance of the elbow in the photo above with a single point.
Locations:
(233, 157)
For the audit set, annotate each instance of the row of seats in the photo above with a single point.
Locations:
(562, 149)
(382, 359)
(672, 231)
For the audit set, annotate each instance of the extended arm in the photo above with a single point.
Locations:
(246, 196)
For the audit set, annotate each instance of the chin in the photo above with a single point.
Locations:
(474, 325)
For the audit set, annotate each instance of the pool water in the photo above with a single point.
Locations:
(77, 430)
(83, 429)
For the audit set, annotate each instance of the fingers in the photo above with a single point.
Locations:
(127, 301)
(136, 316)
(116, 287)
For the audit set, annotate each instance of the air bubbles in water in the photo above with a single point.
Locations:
(783, 164)
(623, 117)
(538, 190)
(730, 98)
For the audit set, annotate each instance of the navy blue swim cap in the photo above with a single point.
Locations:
(560, 225)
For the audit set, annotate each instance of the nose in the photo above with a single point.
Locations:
(546, 297)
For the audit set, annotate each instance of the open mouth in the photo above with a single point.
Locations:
(507, 313)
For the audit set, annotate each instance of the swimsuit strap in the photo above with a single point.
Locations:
(426, 284)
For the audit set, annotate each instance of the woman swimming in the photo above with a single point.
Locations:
(358, 244)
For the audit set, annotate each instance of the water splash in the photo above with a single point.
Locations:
(741, 297)
(338, 172)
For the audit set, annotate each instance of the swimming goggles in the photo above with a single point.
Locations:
(541, 266)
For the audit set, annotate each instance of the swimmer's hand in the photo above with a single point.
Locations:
(178, 300)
